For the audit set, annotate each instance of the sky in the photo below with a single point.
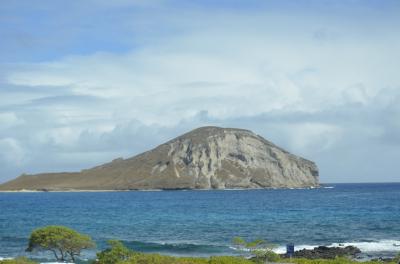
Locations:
(83, 82)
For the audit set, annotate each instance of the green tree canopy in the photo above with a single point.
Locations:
(63, 242)
(115, 254)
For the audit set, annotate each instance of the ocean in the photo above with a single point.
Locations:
(203, 223)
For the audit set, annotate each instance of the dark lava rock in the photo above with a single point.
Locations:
(323, 252)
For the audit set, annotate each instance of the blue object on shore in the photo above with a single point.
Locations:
(290, 250)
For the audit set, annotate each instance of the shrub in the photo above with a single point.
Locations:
(251, 245)
(260, 249)
(229, 260)
(19, 260)
(117, 253)
(160, 259)
(261, 256)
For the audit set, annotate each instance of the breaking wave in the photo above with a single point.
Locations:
(365, 246)
(179, 248)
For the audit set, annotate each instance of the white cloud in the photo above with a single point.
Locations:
(309, 83)
(251, 67)
(8, 120)
(11, 152)
(313, 137)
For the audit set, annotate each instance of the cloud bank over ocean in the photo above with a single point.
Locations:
(84, 83)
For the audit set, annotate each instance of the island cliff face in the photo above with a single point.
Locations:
(205, 158)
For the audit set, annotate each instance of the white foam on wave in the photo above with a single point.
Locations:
(57, 263)
(374, 246)
(50, 262)
(365, 247)
(240, 249)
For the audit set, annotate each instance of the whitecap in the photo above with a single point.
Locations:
(57, 263)
(374, 246)
(365, 247)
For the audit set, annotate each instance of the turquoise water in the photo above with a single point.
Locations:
(204, 222)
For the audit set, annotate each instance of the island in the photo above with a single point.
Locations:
(204, 158)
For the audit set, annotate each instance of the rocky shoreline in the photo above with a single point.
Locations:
(330, 253)
(323, 252)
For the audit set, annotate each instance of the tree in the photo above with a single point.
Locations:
(63, 242)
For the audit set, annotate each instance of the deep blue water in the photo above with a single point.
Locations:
(204, 222)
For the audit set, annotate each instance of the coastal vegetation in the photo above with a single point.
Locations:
(141, 258)
(119, 254)
(18, 260)
(261, 249)
(65, 243)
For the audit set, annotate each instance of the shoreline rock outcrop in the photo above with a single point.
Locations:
(323, 252)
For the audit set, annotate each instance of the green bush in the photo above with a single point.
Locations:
(117, 253)
(160, 259)
(229, 260)
(151, 259)
(261, 250)
(19, 260)
(261, 256)
(252, 245)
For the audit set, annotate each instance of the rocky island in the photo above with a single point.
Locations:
(205, 158)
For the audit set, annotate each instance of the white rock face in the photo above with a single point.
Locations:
(221, 158)
(205, 158)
